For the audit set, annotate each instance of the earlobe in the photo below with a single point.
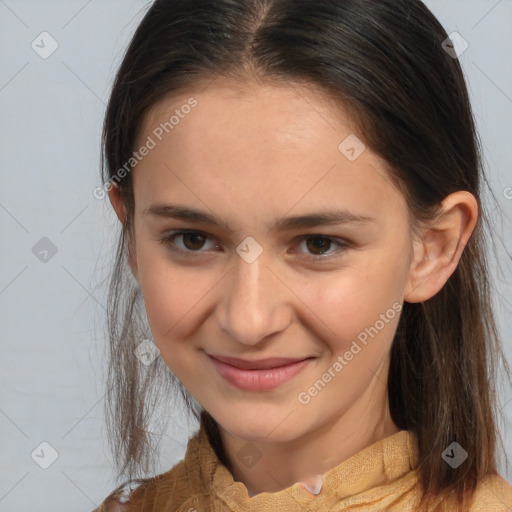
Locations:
(437, 254)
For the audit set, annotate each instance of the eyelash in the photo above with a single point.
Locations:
(168, 241)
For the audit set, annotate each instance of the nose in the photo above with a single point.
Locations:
(255, 302)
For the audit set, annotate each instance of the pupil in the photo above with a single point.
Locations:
(319, 243)
(194, 236)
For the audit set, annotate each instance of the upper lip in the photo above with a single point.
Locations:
(259, 364)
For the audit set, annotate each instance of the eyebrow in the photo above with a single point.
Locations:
(309, 220)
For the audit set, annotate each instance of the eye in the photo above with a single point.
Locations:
(323, 243)
(194, 241)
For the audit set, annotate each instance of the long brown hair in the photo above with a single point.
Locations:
(384, 61)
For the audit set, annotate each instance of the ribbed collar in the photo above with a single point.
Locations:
(368, 477)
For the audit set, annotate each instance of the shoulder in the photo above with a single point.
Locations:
(123, 498)
(492, 494)
(182, 484)
(139, 495)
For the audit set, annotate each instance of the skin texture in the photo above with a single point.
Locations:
(253, 154)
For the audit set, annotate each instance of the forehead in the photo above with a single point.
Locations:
(278, 113)
(272, 145)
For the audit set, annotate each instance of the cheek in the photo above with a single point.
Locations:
(365, 330)
(361, 331)
(171, 303)
(363, 306)
(169, 295)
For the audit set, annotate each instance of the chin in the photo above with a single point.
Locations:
(261, 426)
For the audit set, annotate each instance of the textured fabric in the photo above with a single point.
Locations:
(378, 478)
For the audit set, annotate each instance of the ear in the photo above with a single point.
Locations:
(117, 203)
(438, 252)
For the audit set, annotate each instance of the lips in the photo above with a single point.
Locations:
(258, 375)
(260, 364)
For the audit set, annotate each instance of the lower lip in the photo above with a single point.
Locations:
(259, 380)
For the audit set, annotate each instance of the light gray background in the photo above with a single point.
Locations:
(52, 364)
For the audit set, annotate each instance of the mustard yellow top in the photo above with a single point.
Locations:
(378, 478)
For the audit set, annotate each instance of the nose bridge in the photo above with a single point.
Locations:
(250, 307)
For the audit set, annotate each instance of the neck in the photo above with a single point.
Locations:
(307, 458)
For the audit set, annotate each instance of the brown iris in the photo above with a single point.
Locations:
(195, 245)
(319, 243)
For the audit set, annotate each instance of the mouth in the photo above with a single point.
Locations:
(260, 364)
(258, 375)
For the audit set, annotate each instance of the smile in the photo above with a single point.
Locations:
(260, 375)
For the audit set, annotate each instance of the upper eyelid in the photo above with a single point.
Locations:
(178, 232)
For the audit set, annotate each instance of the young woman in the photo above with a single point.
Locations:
(299, 187)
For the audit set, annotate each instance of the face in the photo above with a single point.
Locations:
(253, 286)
